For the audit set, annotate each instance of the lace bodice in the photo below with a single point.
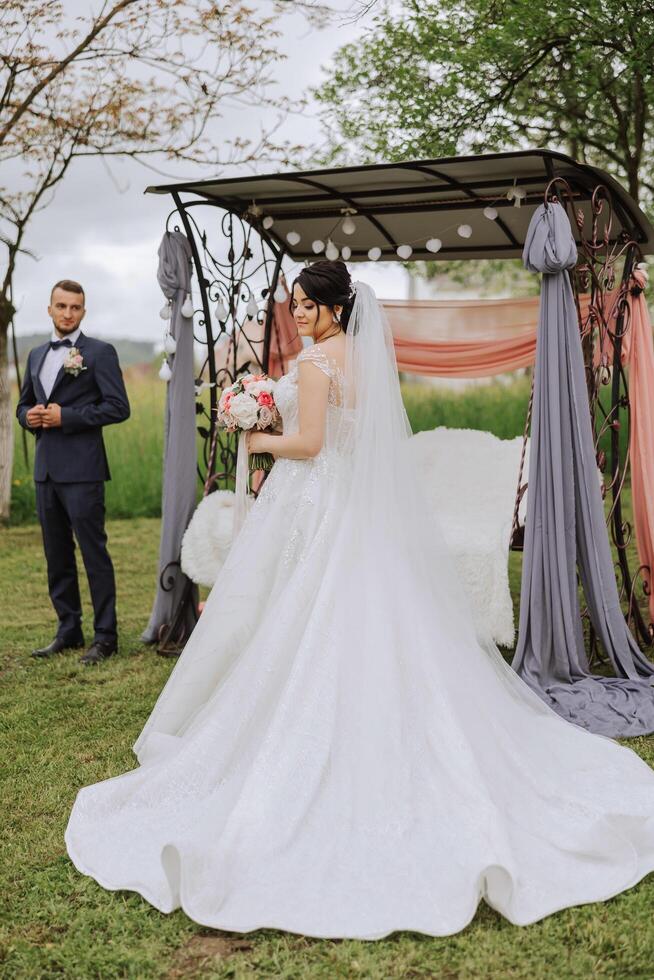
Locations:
(330, 367)
(286, 398)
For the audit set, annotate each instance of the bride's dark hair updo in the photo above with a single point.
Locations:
(327, 283)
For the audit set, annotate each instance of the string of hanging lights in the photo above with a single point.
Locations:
(404, 251)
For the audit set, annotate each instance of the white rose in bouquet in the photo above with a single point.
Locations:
(256, 387)
(245, 410)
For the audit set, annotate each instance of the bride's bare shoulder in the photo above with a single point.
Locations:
(334, 349)
(332, 344)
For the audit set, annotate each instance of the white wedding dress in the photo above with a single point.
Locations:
(335, 754)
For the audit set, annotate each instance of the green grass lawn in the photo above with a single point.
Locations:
(64, 726)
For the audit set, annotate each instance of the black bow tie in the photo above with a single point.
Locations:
(56, 344)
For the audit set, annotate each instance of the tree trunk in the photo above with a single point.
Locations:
(633, 177)
(6, 417)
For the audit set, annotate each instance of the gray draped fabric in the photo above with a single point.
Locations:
(180, 460)
(565, 524)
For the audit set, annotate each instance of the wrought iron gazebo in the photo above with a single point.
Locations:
(247, 234)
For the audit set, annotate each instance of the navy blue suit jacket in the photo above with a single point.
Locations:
(74, 452)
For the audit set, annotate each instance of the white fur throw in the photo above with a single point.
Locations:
(471, 478)
(208, 537)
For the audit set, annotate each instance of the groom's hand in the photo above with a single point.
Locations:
(34, 416)
(51, 416)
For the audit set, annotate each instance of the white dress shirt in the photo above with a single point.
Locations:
(54, 359)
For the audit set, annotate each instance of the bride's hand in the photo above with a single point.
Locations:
(257, 442)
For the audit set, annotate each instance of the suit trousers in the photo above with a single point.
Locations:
(64, 510)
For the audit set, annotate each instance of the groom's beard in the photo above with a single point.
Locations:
(64, 329)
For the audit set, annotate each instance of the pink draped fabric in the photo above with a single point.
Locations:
(637, 353)
(464, 338)
(285, 344)
(285, 341)
(465, 359)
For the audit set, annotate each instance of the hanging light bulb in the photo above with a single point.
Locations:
(280, 295)
(318, 246)
(346, 252)
(331, 251)
(465, 231)
(166, 311)
(293, 237)
(170, 344)
(433, 244)
(348, 226)
(516, 194)
(252, 308)
(187, 306)
(221, 311)
(374, 253)
(404, 251)
(268, 222)
(164, 371)
(490, 213)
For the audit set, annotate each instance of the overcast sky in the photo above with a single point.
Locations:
(101, 230)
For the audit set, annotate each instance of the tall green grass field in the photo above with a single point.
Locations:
(135, 447)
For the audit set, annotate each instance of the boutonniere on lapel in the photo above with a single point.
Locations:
(74, 363)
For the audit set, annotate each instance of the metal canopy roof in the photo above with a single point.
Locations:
(409, 203)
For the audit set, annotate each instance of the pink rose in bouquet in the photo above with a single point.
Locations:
(266, 399)
(249, 404)
(265, 417)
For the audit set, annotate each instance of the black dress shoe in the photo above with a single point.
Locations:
(58, 645)
(98, 651)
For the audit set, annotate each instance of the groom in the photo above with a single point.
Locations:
(72, 387)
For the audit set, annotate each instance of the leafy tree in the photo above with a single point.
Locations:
(440, 77)
(139, 78)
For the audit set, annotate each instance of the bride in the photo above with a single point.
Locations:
(336, 753)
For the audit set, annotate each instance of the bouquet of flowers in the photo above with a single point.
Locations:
(250, 404)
